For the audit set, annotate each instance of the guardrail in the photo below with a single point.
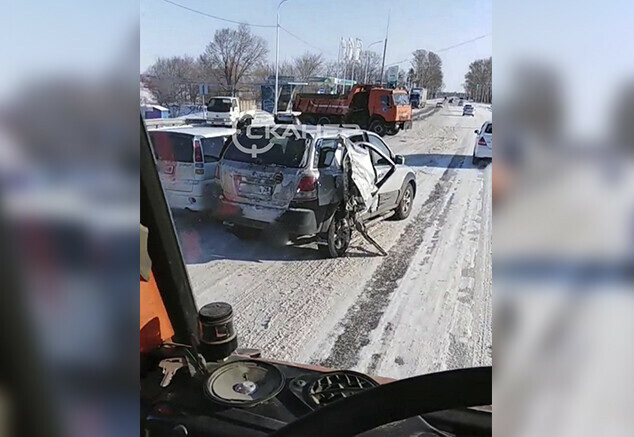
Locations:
(164, 122)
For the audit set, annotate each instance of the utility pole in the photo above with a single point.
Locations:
(277, 55)
(387, 30)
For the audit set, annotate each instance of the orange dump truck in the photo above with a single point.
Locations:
(381, 110)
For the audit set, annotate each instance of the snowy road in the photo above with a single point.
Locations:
(425, 307)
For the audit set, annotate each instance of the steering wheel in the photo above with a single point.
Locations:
(396, 401)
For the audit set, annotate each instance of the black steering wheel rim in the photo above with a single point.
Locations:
(395, 401)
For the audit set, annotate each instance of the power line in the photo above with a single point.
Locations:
(464, 42)
(251, 25)
(215, 17)
(305, 42)
(445, 49)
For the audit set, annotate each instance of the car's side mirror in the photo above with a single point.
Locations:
(477, 132)
(399, 159)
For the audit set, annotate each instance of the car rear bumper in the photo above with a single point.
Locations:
(483, 152)
(191, 201)
(296, 221)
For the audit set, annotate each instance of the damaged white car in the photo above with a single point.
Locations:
(311, 181)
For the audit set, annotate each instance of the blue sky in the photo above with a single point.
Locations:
(167, 30)
(40, 39)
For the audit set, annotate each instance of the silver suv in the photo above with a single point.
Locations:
(295, 182)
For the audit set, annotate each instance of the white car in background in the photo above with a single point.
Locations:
(484, 143)
(187, 157)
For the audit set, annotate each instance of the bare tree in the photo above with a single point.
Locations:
(371, 62)
(332, 69)
(427, 71)
(307, 65)
(265, 70)
(233, 54)
(478, 83)
(172, 80)
(410, 77)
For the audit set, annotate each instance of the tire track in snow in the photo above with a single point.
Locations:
(362, 318)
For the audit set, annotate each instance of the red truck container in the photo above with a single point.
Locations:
(378, 109)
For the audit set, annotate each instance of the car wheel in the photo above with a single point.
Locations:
(323, 120)
(308, 119)
(378, 127)
(337, 238)
(246, 121)
(475, 160)
(246, 233)
(392, 130)
(404, 207)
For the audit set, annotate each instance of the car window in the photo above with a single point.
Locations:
(170, 146)
(326, 152)
(219, 105)
(356, 138)
(287, 151)
(385, 100)
(489, 128)
(212, 147)
(377, 159)
(401, 99)
(379, 144)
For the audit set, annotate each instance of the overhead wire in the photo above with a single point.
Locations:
(216, 17)
(443, 49)
(248, 24)
(306, 42)
(303, 40)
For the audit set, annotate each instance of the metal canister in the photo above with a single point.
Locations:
(218, 338)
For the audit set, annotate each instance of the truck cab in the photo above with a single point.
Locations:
(380, 110)
(228, 111)
(391, 112)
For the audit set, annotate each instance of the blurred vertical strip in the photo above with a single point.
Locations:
(69, 190)
(564, 218)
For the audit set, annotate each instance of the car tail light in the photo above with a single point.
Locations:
(482, 142)
(307, 188)
(198, 152)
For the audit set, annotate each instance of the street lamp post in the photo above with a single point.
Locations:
(387, 30)
(277, 55)
(367, 61)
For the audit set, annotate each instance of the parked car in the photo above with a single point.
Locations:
(468, 110)
(297, 184)
(186, 158)
(484, 142)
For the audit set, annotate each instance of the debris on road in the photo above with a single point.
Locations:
(359, 187)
